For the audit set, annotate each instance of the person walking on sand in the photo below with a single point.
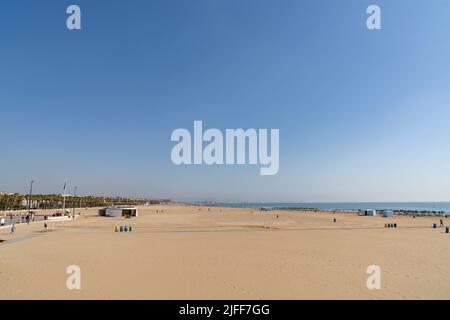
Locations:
(45, 226)
(13, 228)
(442, 223)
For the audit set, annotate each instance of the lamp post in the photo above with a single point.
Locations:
(29, 199)
(74, 203)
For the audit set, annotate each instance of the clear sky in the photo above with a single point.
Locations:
(363, 115)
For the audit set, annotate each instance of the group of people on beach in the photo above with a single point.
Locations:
(30, 217)
(13, 227)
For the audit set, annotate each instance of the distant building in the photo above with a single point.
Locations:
(2, 193)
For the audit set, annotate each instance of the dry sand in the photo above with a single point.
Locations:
(190, 252)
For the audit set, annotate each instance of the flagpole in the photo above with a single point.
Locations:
(74, 203)
(64, 201)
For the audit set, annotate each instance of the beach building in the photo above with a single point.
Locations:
(121, 211)
(388, 213)
(368, 212)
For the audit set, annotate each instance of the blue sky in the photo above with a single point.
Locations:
(363, 115)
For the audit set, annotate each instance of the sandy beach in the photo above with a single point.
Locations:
(189, 252)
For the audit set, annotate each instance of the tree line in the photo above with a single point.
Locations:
(18, 201)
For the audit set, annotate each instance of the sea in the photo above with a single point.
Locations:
(352, 206)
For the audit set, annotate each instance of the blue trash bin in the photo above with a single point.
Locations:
(447, 229)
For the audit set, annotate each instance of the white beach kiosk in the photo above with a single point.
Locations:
(121, 211)
(388, 213)
(368, 212)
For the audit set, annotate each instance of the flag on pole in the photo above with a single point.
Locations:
(64, 188)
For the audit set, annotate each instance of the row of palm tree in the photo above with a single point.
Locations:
(18, 201)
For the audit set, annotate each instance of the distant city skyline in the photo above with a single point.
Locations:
(363, 115)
